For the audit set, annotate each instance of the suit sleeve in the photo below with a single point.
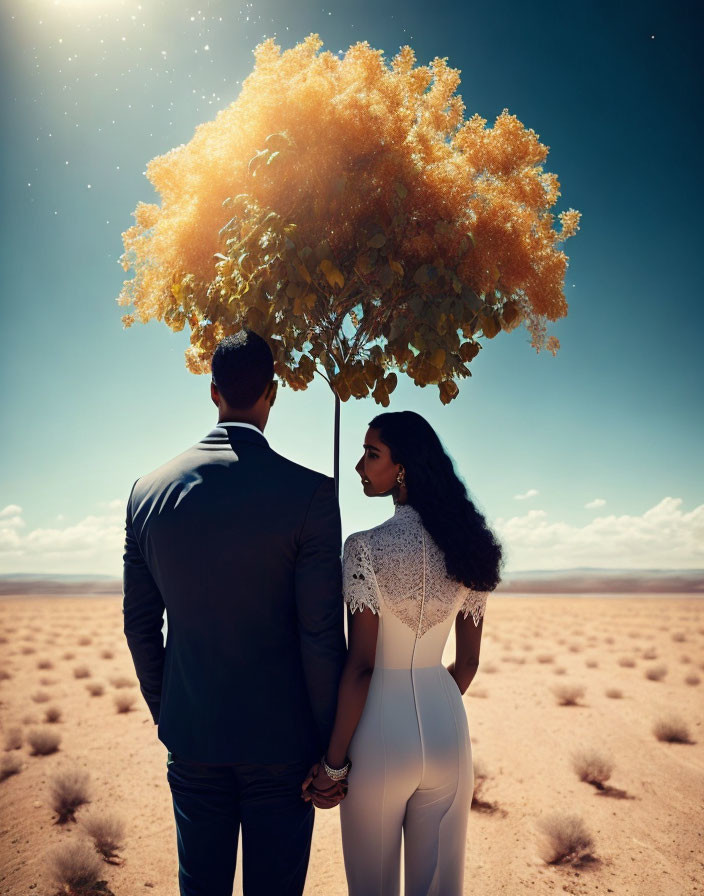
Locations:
(143, 612)
(320, 607)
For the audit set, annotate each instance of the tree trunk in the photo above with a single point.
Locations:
(337, 446)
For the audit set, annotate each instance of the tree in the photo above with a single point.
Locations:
(345, 209)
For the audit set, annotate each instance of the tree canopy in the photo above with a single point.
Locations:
(344, 208)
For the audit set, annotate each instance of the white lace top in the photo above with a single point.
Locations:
(400, 563)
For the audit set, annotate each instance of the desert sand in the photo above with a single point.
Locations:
(646, 821)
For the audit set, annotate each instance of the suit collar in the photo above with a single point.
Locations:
(232, 435)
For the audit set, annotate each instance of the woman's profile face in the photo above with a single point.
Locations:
(375, 467)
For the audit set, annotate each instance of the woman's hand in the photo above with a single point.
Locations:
(321, 790)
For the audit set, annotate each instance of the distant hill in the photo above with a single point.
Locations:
(581, 580)
(591, 580)
(35, 583)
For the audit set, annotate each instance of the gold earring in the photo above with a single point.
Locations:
(400, 477)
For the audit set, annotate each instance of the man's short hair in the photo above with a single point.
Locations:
(242, 367)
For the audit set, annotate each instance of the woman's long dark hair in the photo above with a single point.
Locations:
(473, 556)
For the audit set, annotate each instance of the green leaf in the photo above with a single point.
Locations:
(256, 160)
(422, 275)
(398, 328)
(332, 274)
(448, 390)
(278, 142)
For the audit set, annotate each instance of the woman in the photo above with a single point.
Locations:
(400, 715)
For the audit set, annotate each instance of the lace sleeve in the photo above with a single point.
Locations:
(358, 580)
(474, 603)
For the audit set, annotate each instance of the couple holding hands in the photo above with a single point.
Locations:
(265, 709)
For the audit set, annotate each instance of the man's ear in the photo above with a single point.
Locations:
(214, 394)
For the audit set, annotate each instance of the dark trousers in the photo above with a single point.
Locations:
(212, 801)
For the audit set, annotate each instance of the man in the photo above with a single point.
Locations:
(242, 548)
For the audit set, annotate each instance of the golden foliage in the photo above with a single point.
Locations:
(344, 209)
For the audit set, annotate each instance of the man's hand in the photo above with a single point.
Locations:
(321, 790)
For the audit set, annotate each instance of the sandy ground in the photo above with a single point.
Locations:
(647, 824)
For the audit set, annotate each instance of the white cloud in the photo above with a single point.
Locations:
(10, 519)
(118, 504)
(531, 493)
(597, 502)
(94, 545)
(10, 510)
(663, 537)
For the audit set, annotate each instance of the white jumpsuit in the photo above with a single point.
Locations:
(411, 753)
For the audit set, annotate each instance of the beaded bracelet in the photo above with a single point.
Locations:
(336, 774)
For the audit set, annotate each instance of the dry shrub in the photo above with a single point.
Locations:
(95, 689)
(70, 789)
(480, 778)
(679, 637)
(559, 670)
(614, 693)
(545, 658)
(477, 692)
(75, 868)
(565, 838)
(46, 682)
(52, 714)
(627, 662)
(656, 673)
(124, 702)
(13, 738)
(575, 648)
(41, 697)
(68, 655)
(673, 729)
(568, 694)
(490, 668)
(692, 679)
(121, 681)
(43, 741)
(28, 650)
(4, 675)
(685, 659)
(81, 672)
(84, 641)
(592, 767)
(107, 832)
(45, 664)
(591, 664)
(609, 639)
(107, 654)
(650, 654)
(10, 765)
(634, 635)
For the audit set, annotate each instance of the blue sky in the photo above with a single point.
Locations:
(90, 91)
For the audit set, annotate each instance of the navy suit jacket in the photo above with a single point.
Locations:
(242, 548)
